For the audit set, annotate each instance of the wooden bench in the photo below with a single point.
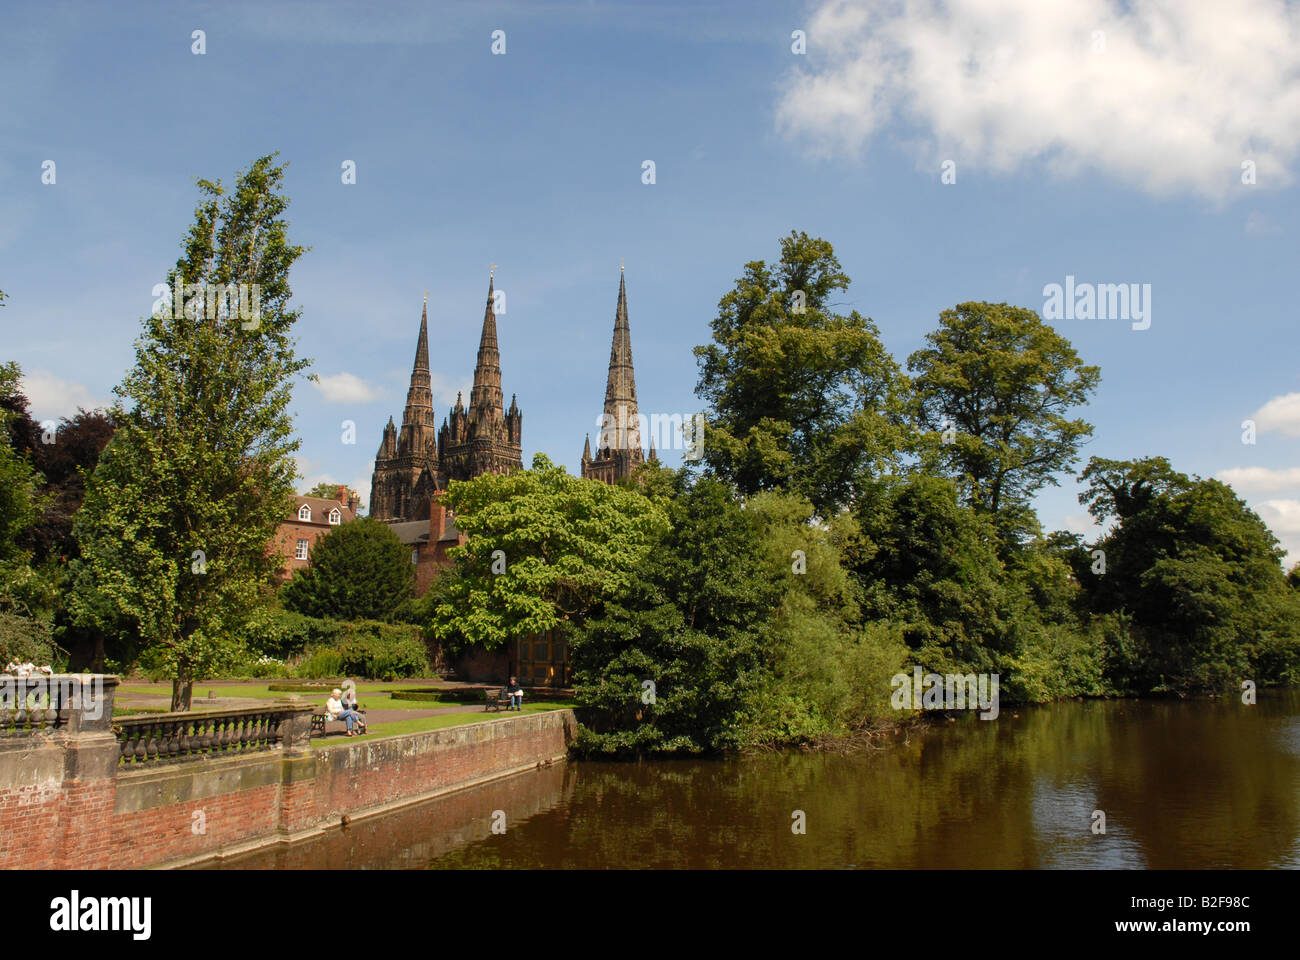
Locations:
(318, 721)
(494, 698)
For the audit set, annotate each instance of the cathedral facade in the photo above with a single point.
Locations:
(419, 459)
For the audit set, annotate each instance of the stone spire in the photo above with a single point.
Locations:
(419, 395)
(620, 386)
(485, 399)
(415, 439)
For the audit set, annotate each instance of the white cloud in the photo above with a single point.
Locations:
(52, 398)
(344, 388)
(1256, 480)
(1168, 97)
(1081, 523)
(1281, 414)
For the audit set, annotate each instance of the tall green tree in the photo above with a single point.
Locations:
(359, 571)
(542, 550)
(1199, 574)
(994, 389)
(800, 397)
(191, 488)
(690, 625)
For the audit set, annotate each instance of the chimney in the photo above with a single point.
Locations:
(342, 495)
(437, 519)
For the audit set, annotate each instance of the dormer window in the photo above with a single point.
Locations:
(304, 512)
(335, 517)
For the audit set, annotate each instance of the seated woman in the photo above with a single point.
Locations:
(335, 709)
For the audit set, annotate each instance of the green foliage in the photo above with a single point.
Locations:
(324, 662)
(1200, 576)
(359, 571)
(1005, 381)
(690, 623)
(801, 398)
(560, 545)
(383, 651)
(935, 571)
(20, 504)
(284, 634)
(200, 471)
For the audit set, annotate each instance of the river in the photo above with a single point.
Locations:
(1190, 784)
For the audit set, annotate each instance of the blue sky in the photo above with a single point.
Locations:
(1114, 158)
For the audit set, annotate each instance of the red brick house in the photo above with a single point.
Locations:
(429, 540)
(310, 519)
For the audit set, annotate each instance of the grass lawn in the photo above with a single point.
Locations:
(420, 724)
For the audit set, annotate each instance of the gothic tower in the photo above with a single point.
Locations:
(618, 449)
(486, 438)
(405, 456)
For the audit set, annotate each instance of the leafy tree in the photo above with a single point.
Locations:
(64, 463)
(801, 398)
(200, 471)
(19, 481)
(330, 491)
(1199, 574)
(359, 571)
(994, 388)
(690, 622)
(933, 569)
(542, 550)
(26, 597)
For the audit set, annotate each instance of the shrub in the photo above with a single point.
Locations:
(323, 662)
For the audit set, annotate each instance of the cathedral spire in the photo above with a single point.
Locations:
(419, 395)
(620, 385)
(485, 399)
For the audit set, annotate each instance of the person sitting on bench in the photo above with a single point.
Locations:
(515, 693)
(336, 710)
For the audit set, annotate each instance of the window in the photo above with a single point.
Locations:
(415, 555)
(335, 517)
(304, 513)
(300, 551)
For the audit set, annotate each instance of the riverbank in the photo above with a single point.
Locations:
(81, 788)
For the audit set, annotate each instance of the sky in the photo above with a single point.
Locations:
(950, 151)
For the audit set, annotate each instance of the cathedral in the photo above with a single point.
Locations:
(417, 461)
(414, 463)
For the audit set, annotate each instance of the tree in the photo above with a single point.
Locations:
(932, 568)
(800, 398)
(359, 571)
(542, 550)
(1198, 572)
(330, 491)
(19, 481)
(993, 388)
(200, 471)
(690, 625)
(26, 597)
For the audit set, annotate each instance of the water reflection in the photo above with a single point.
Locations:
(1192, 784)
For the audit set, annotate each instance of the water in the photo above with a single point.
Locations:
(1203, 784)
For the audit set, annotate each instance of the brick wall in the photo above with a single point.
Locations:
(142, 816)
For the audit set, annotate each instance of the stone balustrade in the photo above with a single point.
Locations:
(176, 737)
(42, 704)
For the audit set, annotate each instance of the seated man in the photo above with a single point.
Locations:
(515, 693)
(336, 710)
